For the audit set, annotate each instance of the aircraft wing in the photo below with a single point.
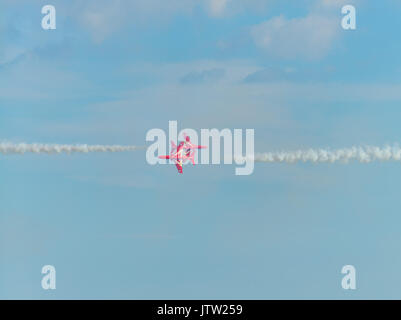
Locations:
(194, 146)
(177, 164)
(169, 157)
(179, 167)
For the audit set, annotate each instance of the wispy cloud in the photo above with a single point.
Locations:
(203, 76)
(289, 74)
(308, 37)
(217, 6)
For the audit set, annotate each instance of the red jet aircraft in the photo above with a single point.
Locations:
(185, 151)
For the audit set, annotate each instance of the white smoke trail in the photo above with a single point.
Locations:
(21, 148)
(360, 154)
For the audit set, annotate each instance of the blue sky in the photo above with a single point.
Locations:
(115, 227)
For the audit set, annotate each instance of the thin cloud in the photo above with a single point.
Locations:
(203, 76)
(217, 7)
(308, 37)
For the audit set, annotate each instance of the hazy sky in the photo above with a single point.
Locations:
(115, 227)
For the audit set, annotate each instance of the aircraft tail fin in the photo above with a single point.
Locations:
(191, 157)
